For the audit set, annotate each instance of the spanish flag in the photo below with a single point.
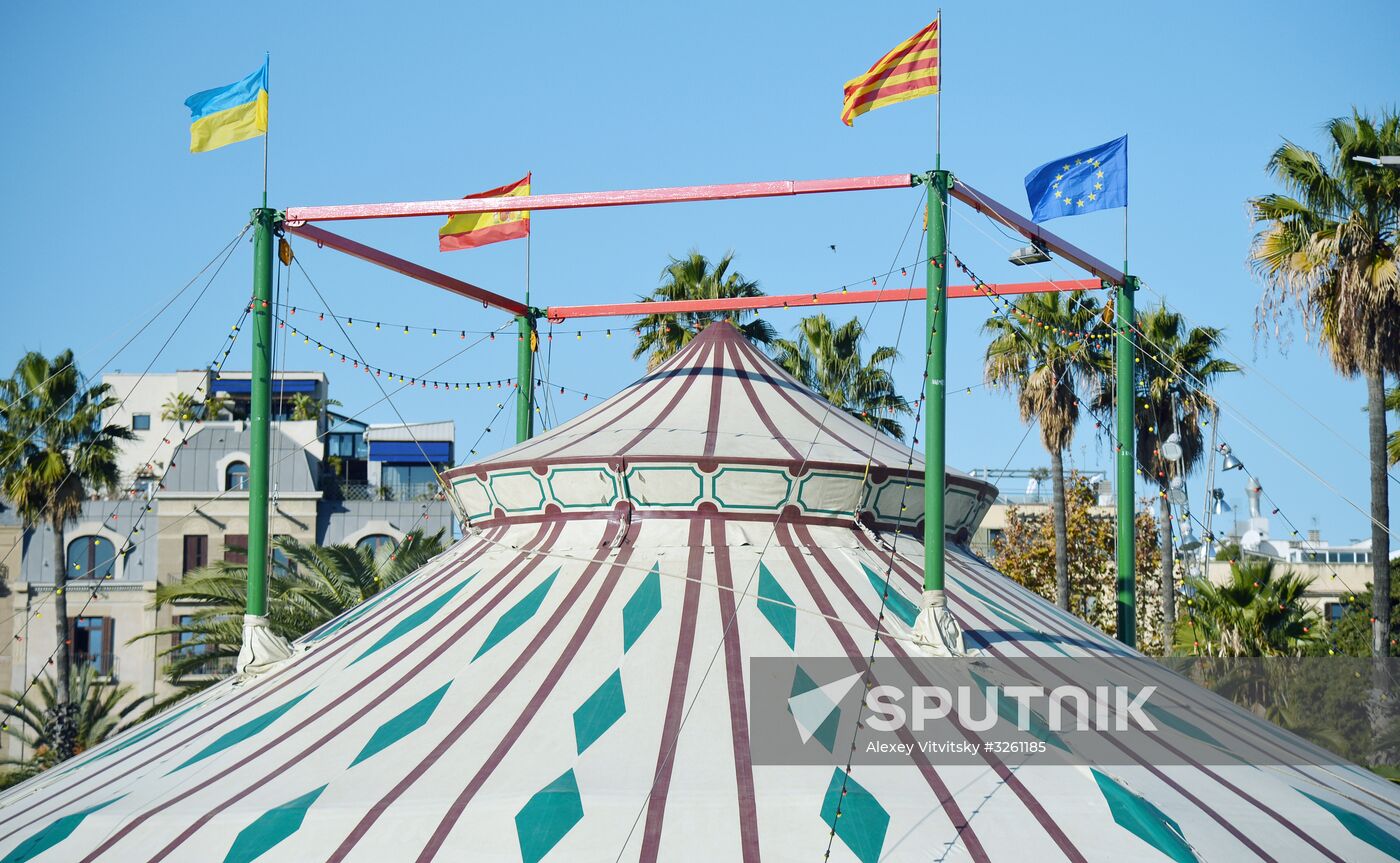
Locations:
(469, 230)
(907, 72)
(226, 115)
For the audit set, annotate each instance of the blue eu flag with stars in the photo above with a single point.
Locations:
(1092, 179)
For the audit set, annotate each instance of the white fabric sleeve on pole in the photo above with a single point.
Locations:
(262, 648)
(937, 632)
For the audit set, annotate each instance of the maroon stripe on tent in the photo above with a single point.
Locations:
(203, 723)
(1038, 616)
(828, 410)
(738, 709)
(1030, 611)
(529, 712)
(675, 705)
(966, 609)
(524, 556)
(946, 801)
(630, 399)
(716, 393)
(686, 382)
(737, 358)
(1052, 829)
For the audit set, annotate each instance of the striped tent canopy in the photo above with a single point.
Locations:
(571, 681)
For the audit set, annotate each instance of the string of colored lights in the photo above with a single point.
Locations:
(422, 382)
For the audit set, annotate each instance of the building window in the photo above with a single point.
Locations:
(93, 639)
(236, 476)
(140, 422)
(91, 557)
(376, 541)
(236, 547)
(409, 481)
(196, 551)
(1334, 611)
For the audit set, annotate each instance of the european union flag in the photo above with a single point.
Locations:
(1092, 179)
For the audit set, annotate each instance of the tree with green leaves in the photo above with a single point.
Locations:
(1258, 611)
(102, 710)
(1025, 552)
(308, 585)
(55, 451)
(1177, 365)
(1326, 248)
(185, 408)
(694, 277)
(1392, 446)
(308, 407)
(829, 360)
(1037, 354)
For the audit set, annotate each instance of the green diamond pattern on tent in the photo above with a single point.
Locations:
(416, 619)
(1009, 709)
(56, 831)
(826, 732)
(597, 714)
(1139, 817)
(550, 813)
(248, 729)
(777, 606)
(270, 828)
(518, 614)
(357, 612)
(896, 603)
(863, 821)
(402, 725)
(1361, 827)
(641, 609)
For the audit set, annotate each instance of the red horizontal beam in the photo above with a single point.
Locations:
(407, 268)
(1031, 231)
(895, 295)
(296, 216)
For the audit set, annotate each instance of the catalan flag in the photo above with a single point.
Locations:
(469, 230)
(226, 115)
(907, 72)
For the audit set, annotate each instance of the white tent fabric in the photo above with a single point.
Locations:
(570, 682)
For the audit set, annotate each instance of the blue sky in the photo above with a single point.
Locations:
(109, 214)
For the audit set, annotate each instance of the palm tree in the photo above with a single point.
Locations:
(183, 407)
(1176, 365)
(308, 407)
(1326, 248)
(1392, 446)
(660, 336)
(829, 361)
(54, 451)
(1257, 612)
(1032, 357)
(308, 586)
(180, 407)
(103, 710)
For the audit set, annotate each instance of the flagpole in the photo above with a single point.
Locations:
(267, 133)
(525, 358)
(938, 112)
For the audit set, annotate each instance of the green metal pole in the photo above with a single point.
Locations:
(935, 391)
(525, 380)
(260, 411)
(1127, 572)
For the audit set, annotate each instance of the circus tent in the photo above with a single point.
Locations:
(571, 680)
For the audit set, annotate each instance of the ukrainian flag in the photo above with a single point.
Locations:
(226, 115)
